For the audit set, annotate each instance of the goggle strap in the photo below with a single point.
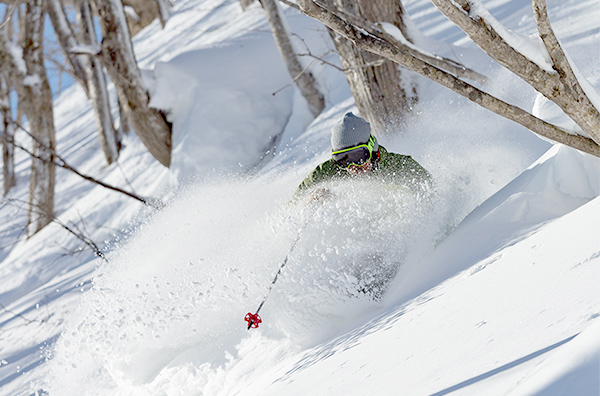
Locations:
(369, 145)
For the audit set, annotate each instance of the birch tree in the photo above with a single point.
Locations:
(67, 40)
(87, 68)
(107, 135)
(39, 111)
(28, 75)
(562, 88)
(8, 131)
(304, 79)
(118, 58)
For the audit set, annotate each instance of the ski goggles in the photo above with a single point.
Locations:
(354, 156)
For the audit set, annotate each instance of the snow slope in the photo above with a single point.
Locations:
(497, 292)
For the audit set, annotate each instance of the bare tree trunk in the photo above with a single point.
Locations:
(8, 132)
(164, 11)
(97, 86)
(67, 40)
(381, 93)
(38, 108)
(303, 78)
(118, 58)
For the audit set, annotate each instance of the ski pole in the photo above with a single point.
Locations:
(317, 198)
(254, 319)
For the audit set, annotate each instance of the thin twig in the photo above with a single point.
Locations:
(323, 61)
(79, 235)
(84, 239)
(8, 15)
(153, 202)
(295, 78)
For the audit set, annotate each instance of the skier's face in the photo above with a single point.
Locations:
(359, 170)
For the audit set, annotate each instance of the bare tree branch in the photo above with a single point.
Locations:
(547, 35)
(556, 83)
(381, 47)
(71, 229)
(8, 15)
(18, 315)
(59, 161)
(377, 30)
(83, 238)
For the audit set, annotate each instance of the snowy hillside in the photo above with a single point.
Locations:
(497, 288)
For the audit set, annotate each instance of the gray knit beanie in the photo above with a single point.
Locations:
(350, 132)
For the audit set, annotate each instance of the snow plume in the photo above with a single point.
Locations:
(173, 300)
(174, 289)
(349, 249)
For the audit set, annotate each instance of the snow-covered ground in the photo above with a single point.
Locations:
(497, 292)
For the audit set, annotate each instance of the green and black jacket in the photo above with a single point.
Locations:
(393, 168)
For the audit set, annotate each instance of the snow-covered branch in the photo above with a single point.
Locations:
(392, 34)
(383, 47)
(91, 50)
(545, 67)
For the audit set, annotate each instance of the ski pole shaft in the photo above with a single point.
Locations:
(255, 319)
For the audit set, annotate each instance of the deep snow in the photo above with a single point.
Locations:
(496, 294)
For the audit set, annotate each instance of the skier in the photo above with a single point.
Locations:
(356, 153)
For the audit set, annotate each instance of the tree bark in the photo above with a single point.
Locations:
(8, 133)
(124, 126)
(381, 93)
(368, 39)
(571, 97)
(304, 79)
(118, 58)
(97, 86)
(37, 100)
